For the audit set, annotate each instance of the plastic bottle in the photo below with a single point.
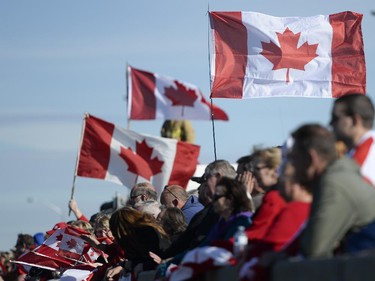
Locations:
(240, 241)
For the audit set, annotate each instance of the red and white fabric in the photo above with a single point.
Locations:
(200, 260)
(91, 254)
(51, 246)
(155, 96)
(34, 259)
(257, 55)
(364, 154)
(78, 273)
(72, 245)
(46, 255)
(126, 157)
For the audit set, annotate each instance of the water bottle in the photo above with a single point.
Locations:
(240, 241)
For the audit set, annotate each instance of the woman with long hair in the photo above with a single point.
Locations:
(138, 233)
(233, 207)
(173, 221)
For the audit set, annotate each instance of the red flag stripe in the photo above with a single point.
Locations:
(143, 102)
(348, 58)
(35, 259)
(184, 164)
(230, 54)
(100, 156)
(95, 151)
(362, 151)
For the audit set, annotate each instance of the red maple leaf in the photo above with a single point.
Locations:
(71, 243)
(140, 162)
(288, 55)
(182, 96)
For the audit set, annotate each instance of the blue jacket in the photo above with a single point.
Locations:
(191, 207)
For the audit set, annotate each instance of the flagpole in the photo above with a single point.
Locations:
(209, 78)
(127, 93)
(77, 158)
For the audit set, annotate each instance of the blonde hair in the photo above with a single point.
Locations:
(82, 225)
(270, 156)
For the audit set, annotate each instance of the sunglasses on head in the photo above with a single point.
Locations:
(167, 189)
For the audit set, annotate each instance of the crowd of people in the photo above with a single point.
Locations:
(312, 196)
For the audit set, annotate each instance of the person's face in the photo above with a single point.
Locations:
(204, 194)
(211, 182)
(103, 232)
(222, 205)
(342, 125)
(266, 175)
(289, 183)
(135, 198)
(302, 164)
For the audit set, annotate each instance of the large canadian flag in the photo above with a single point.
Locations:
(126, 157)
(257, 55)
(154, 96)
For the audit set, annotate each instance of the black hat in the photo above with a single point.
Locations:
(200, 180)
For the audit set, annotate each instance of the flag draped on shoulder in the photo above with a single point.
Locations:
(153, 96)
(257, 55)
(125, 157)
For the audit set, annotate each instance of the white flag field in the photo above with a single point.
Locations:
(257, 55)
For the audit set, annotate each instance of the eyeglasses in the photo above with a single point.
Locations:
(167, 189)
(261, 168)
(135, 196)
(216, 197)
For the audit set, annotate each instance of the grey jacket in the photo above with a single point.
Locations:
(342, 202)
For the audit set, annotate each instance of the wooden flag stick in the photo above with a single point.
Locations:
(86, 115)
(209, 76)
(213, 128)
(127, 94)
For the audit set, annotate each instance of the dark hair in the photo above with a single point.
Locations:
(315, 136)
(358, 104)
(173, 221)
(247, 163)
(25, 240)
(124, 220)
(236, 191)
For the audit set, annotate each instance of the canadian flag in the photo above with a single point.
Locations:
(46, 255)
(71, 245)
(51, 246)
(154, 96)
(200, 260)
(257, 55)
(91, 254)
(126, 157)
(37, 260)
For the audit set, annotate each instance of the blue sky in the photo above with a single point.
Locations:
(59, 59)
